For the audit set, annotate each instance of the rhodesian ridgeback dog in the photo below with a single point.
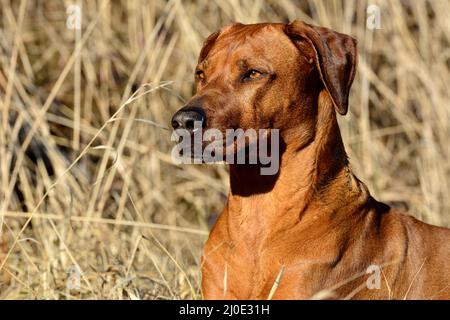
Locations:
(312, 230)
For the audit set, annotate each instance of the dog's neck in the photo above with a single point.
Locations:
(315, 176)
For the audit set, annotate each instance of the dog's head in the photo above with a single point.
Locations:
(266, 76)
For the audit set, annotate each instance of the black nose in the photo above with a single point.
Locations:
(186, 118)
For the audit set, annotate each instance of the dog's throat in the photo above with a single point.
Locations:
(309, 175)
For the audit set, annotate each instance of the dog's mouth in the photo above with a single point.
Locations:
(223, 147)
(206, 150)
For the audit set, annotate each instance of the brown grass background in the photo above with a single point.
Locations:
(108, 200)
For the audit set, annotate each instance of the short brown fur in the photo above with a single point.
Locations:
(314, 226)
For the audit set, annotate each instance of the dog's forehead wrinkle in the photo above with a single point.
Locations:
(222, 51)
(246, 62)
(242, 64)
(258, 39)
(244, 58)
(241, 39)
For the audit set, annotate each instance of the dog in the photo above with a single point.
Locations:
(312, 231)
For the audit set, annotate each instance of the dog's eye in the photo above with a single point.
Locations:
(199, 74)
(252, 74)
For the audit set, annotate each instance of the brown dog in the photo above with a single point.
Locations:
(312, 230)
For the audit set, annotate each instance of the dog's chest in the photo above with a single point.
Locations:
(266, 277)
(252, 269)
(255, 265)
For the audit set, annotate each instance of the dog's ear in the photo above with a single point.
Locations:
(335, 55)
(209, 42)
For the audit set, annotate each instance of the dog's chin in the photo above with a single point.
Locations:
(209, 152)
(219, 152)
(227, 152)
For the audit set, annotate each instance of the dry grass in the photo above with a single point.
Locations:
(108, 199)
